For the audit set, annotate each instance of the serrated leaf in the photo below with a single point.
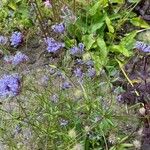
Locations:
(120, 49)
(97, 6)
(96, 26)
(129, 40)
(12, 5)
(98, 61)
(88, 40)
(139, 22)
(109, 25)
(127, 145)
(103, 48)
(94, 9)
(117, 1)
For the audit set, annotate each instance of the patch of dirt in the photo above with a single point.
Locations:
(143, 9)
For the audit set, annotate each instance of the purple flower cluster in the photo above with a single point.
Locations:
(9, 85)
(17, 59)
(142, 46)
(66, 85)
(3, 40)
(91, 72)
(58, 28)
(53, 46)
(77, 50)
(78, 72)
(16, 38)
(90, 63)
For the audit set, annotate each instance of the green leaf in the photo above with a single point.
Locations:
(117, 1)
(139, 22)
(98, 6)
(103, 48)
(128, 41)
(126, 145)
(88, 40)
(94, 9)
(12, 5)
(96, 26)
(99, 61)
(109, 25)
(120, 49)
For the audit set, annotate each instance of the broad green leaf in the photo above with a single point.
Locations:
(109, 25)
(88, 40)
(86, 56)
(98, 6)
(98, 60)
(96, 26)
(117, 1)
(120, 49)
(94, 9)
(103, 49)
(128, 41)
(139, 22)
(127, 145)
(12, 5)
(4, 1)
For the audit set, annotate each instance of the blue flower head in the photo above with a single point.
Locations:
(9, 85)
(53, 46)
(58, 28)
(66, 85)
(78, 72)
(91, 72)
(77, 50)
(142, 46)
(19, 58)
(16, 39)
(90, 63)
(79, 62)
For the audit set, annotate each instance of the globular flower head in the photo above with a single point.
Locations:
(77, 50)
(16, 38)
(79, 62)
(142, 46)
(9, 85)
(53, 46)
(81, 46)
(58, 28)
(66, 85)
(91, 72)
(3, 40)
(78, 72)
(90, 63)
(19, 58)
